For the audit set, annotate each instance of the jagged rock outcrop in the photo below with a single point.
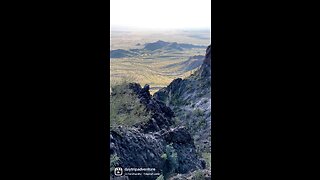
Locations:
(144, 144)
(205, 69)
(190, 99)
(161, 115)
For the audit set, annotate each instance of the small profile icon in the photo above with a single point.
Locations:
(118, 171)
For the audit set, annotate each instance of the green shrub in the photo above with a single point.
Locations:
(114, 159)
(198, 112)
(160, 177)
(171, 161)
(172, 156)
(207, 158)
(202, 123)
(199, 175)
(164, 156)
(176, 121)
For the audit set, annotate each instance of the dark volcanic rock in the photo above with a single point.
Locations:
(178, 135)
(186, 150)
(137, 149)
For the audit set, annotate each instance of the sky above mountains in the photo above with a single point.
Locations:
(160, 14)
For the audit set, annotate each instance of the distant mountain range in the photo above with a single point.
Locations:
(151, 47)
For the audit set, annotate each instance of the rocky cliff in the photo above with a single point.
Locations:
(190, 100)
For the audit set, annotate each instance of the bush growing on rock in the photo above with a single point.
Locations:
(164, 156)
(114, 159)
(207, 158)
(171, 160)
(199, 175)
(160, 177)
(198, 112)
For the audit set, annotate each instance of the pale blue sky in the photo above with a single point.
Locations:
(161, 14)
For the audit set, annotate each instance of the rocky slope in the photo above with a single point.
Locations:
(190, 99)
(146, 144)
(190, 64)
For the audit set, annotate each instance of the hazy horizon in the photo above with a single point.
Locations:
(160, 14)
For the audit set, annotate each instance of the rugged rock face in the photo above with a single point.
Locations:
(144, 144)
(161, 115)
(136, 149)
(205, 70)
(190, 99)
(183, 143)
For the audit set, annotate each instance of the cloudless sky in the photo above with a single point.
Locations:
(161, 14)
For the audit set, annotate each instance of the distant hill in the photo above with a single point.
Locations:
(190, 64)
(120, 53)
(155, 45)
